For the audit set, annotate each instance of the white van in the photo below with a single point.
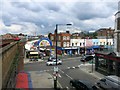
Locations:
(109, 82)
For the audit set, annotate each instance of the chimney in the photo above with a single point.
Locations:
(67, 32)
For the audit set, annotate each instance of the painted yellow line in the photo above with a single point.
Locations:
(60, 85)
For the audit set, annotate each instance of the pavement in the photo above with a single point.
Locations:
(87, 67)
(28, 61)
(41, 79)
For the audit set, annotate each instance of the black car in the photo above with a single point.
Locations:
(86, 58)
(83, 85)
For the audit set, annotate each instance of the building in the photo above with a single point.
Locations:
(76, 36)
(63, 39)
(108, 62)
(8, 36)
(117, 31)
(105, 33)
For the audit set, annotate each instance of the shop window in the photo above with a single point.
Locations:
(102, 63)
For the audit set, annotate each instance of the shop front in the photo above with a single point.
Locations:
(107, 63)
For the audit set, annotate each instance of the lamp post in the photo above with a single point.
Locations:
(55, 80)
(107, 39)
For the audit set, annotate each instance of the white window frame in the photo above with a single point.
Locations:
(67, 37)
(64, 37)
(64, 44)
(67, 44)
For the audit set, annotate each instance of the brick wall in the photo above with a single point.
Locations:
(8, 56)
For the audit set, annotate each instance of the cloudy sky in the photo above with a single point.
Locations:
(41, 17)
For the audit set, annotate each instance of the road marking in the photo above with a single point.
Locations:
(71, 58)
(69, 76)
(61, 70)
(68, 67)
(59, 85)
(67, 88)
(73, 67)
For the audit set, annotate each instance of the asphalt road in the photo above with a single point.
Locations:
(67, 71)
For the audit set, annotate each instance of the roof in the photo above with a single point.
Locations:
(106, 53)
(89, 85)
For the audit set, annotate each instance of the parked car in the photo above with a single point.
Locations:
(53, 62)
(83, 85)
(109, 82)
(86, 58)
(52, 58)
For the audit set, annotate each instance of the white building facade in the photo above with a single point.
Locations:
(117, 31)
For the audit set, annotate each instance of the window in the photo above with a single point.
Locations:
(94, 43)
(59, 37)
(110, 43)
(80, 44)
(97, 43)
(83, 43)
(76, 44)
(72, 44)
(118, 24)
(67, 37)
(64, 44)
(64, 37)
(67, 44)
(100, 43)
(104, 43)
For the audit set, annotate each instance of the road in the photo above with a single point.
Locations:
(67, 71)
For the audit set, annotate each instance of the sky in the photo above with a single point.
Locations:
(41, 16)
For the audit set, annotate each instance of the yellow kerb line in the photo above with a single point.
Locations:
(59, 85)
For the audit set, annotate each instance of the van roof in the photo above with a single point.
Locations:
(113, 78)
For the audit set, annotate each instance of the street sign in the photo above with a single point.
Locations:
(55, 69)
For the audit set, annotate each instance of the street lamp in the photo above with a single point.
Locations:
(107, 39)
(56, 68)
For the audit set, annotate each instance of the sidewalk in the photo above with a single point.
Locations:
(41, 79)
(88, 69)
(28, 61)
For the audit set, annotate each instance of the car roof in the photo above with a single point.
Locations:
(113, 78)
(89, 85)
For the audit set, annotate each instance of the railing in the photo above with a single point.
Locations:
(4, 42)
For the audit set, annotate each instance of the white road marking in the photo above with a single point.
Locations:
(71, 58)
(69, 76)
(73, 67)
(68, 67)
(61, 70)
(67, 88)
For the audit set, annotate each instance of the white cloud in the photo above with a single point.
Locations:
(41, 17)
(42, 26)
